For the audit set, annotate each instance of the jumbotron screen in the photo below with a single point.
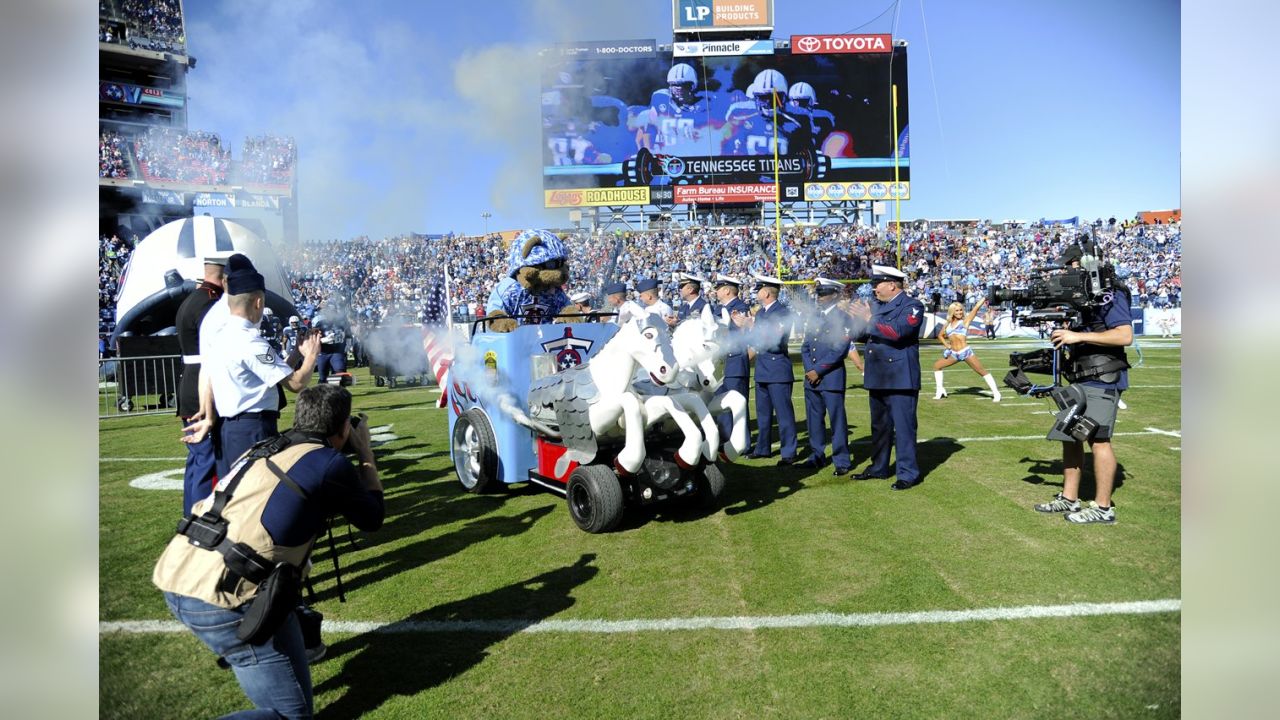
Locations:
(666, 130)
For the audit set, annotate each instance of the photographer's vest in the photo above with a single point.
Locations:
(203, 573)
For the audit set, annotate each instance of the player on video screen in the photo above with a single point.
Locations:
(678, 120)
(752, 122)
(805, 99)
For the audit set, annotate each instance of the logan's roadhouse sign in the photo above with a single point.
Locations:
(827, 44)
(596, 197)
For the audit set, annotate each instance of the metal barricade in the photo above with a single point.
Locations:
(145, 385)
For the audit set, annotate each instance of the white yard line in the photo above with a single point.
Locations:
(927, 617)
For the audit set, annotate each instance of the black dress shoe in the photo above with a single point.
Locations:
(904, 485)
(815, 463)
(869, 476)
(753, 455)
(787, 461)
(843, 471)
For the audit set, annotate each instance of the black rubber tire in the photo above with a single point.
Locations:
(391, 382)
(484, 475)
(710, 486)
(379, 381)
(125, 404)
(594, 496)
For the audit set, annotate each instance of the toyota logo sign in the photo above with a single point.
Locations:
(808, 44)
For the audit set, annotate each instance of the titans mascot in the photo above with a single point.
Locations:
(532, 292)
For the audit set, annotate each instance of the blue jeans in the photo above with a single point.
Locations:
(274, 675)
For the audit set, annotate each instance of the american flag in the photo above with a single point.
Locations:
(435, 338)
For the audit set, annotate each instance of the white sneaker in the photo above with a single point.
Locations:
(940, 394)
(1121, 406)
(996, 397)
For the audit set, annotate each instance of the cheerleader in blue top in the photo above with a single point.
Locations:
(954, 336)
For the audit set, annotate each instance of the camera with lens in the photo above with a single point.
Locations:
(1057, 294)
(355, 424)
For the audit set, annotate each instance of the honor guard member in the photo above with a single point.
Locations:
(244, 371)
(333, 345)
(581, 303)
(774, 374)
(197, 478)
(615, 296)
(648, 290)
(737, 366)
(270, 510)
(826, 343)
(891, 375)
(691, 300)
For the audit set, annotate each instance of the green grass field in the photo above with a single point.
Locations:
(785, 542)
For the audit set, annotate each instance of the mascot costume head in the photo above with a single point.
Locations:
(532, 292)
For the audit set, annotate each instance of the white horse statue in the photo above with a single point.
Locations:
(594, 400)
(697, 343)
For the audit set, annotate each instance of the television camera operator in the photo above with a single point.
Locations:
(232, 573)
(1090, 311)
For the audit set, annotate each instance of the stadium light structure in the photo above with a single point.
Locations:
(486, 215)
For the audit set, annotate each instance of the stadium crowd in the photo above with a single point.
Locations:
(372, 280)
(112, 162)
(146, 24)
(268, 159)
(194, 156)
(113, 253)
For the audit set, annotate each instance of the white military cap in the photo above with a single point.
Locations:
(580, 297)
(766, 280)
(885, 272)
(826, 286)
(218, 258)
(691, 278)
(722, 279)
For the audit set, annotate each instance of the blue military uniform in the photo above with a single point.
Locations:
(201, 467)
(892, 379)
(737, 367)
(774, 377)
(825, 346)
(333, 346)
(686, 310)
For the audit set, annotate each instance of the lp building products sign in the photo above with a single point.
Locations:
(721, 15)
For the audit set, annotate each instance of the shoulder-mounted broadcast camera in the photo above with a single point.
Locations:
(1057, 294)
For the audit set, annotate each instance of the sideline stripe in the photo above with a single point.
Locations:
(928, 617)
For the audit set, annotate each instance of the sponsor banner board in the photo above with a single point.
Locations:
(163, 197)
(705, 48)
(745, 192)
(838, 44)
(721, 15)
(210, 199)
(596, 197)
(831, 191)
(238, 199)
(608, 49)
(137, 95)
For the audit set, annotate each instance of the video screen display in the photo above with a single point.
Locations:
(667, 130)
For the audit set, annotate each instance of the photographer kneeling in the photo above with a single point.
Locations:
(1098, 372)
(233, 572)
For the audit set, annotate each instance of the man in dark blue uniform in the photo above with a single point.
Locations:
(892, 376)
(691, 300)
(197, 478)
(826, 343)
(737, 367)
(333, 345)
(774, 375)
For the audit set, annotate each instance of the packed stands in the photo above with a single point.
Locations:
(113, 253)
(372, 280)
(142, 24)
(268, 160)
(195, 156)
(113, 161)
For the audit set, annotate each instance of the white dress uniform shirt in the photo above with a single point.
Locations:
(243, 369)
(661, 309)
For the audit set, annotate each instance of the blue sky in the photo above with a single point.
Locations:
(419, 116)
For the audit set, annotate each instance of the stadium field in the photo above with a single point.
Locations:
(803, 596)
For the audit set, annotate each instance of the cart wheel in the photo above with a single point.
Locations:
(710, 484)
(379, 381)
(475, 451)
(168, 401)
(595, 498)
(391, 382)
(125, 404)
